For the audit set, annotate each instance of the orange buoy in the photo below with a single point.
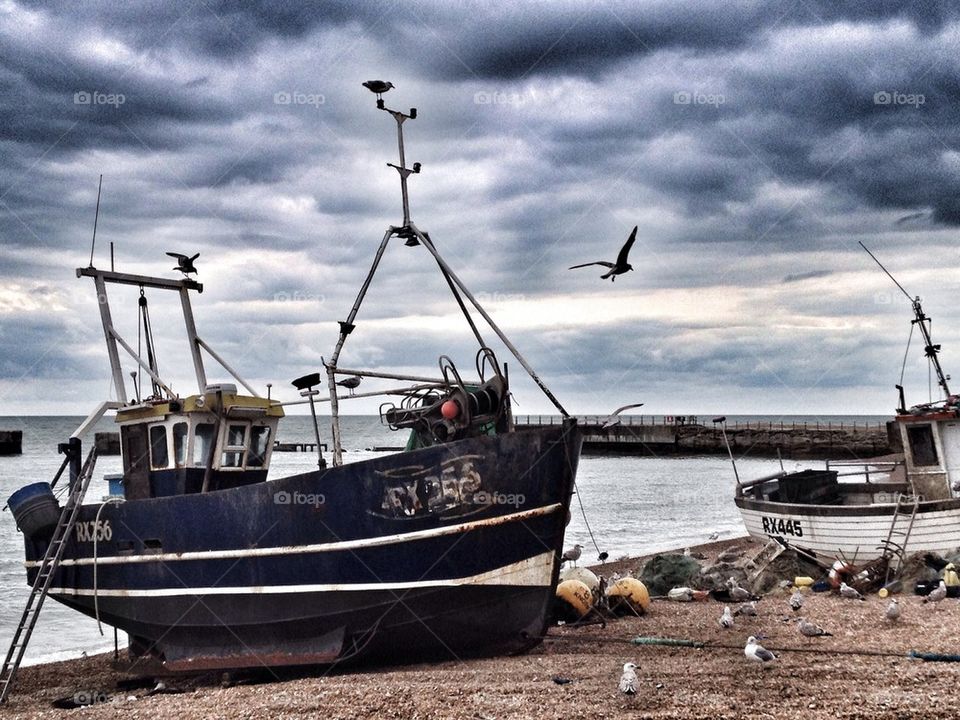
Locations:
(450, 409)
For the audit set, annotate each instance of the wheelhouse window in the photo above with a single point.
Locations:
(180, 438)
(259, 445)
(235, 445)
(922, 446)
(159, 457)
(202, 441)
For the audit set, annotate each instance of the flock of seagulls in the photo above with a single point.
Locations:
(753, 651)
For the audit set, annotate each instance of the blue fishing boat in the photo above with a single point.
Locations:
(447, 549)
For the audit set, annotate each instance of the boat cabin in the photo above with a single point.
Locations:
(213, 441)
(931, 448)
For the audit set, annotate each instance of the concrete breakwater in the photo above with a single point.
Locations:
(669, 435)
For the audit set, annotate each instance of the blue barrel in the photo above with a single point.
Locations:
(35, 509)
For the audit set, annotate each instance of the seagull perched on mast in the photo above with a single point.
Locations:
(377, 86)
(350, 383)
(184, 262)
(621, 265)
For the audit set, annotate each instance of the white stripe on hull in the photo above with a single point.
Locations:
(532, 572)
(857, 536)
(316, 547)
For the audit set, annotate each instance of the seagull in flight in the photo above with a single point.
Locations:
(614, 417)
(184, 262)
(377, 86)
(621, 265)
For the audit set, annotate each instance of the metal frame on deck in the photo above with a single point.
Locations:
(114, 339)
(413, 236)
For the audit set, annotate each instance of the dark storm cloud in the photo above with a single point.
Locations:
(728, 133)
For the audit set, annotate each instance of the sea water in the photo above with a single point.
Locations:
(625, 505)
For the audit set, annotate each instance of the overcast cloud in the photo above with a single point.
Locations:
(754, 143)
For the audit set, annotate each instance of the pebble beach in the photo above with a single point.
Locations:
(862, 671)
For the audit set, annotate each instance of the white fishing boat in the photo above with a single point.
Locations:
(859, 511)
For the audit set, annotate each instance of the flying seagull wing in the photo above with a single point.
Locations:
(625, 250)
(599, 262)
(178, 256)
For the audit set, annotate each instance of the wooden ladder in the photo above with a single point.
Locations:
(41, 583)
(899, 550)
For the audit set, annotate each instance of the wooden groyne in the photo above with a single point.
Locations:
(688, 435)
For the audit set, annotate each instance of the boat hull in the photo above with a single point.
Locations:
(443, 552)
(855, 532)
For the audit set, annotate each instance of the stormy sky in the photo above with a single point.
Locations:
(753, 143)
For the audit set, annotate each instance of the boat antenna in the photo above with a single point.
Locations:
(923, 322)
(722, 422)
(96, 217)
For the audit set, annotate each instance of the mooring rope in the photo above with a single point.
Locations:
(713, 645)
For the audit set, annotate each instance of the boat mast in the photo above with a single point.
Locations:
(413, 236)
(930, 350)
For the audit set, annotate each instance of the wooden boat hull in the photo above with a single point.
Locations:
(443, 552)
(855, 532)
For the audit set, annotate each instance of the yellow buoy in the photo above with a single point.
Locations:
(630, 592)
(584, 575)
(574, 600)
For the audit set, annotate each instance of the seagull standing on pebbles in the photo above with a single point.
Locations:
(893, 610)
(796, 600)
(726, 620)
(937, 594)
(572, 555)
(628, 681)
(808, 629)
(849, 592)
(748, 609)
(756, 652)
(737, 593)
